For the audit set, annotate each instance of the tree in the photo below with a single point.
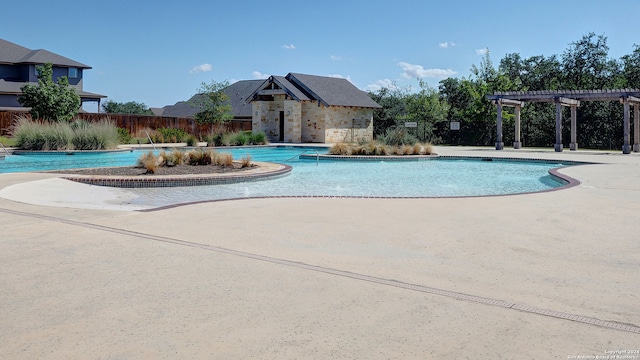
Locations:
(429, 112)
(50, 100)
(131, 107)
(394, 108)
(213, 104)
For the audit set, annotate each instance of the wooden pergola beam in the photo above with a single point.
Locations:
(567, 102)
(510, 102)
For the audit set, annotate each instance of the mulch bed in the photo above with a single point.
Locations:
(165, 170)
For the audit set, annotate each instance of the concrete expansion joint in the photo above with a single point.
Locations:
(356, 276)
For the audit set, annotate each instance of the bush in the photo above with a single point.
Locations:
(95, 136)
(191, 140)
(79, 135)
(168, 135)
(398, 137)
(123, 136)
(149, 162)
(259, 138)
(246, 161)
(200, 157)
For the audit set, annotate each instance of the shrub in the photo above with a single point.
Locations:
(99, 135)
(242, 138)
(223, 159)
(246, 161)
(148, 161)
(123, 136)
(173, 158)
(191, 140)
(58, 136)
(259, 138)
(168, 135)
(200, 157)
(28, 134)
(339, 149)
(398, 137)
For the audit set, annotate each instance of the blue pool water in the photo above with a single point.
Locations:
(426, 178)
(78, 160)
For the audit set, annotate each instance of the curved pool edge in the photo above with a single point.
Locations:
(265, 171)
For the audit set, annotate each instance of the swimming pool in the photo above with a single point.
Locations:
(28, 161)
(394, 179)
(330, 178)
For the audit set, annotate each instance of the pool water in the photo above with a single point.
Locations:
(327, 178)
(79, 160)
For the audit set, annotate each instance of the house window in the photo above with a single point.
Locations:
(73, 73)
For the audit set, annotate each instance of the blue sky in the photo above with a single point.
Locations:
(159, 52)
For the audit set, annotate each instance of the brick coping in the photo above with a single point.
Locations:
(263, 171)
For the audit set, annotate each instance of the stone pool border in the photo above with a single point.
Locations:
(263, 171)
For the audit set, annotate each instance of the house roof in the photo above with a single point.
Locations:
(11, 53)
(300, 87)
(332, 91)
(15, 88)
(237, 93)
(328, 91)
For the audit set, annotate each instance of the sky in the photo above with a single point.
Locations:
(160, 52)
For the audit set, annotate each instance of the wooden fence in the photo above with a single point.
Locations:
(135, 124)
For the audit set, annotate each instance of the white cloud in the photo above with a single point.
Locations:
(289, 47)
(410, 71)
(484, 51)
(348, 78)
(447, 44)
(201, 68)
(384, 83)
(259, 75)
(335, 58)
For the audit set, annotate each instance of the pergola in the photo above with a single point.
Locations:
(572, 99)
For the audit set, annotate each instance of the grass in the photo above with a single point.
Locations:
(149, 161)
(77, 135)
(380, 149)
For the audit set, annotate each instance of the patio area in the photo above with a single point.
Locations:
(477, 277)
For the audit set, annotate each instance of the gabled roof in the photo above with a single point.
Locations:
(237, 93)
(11, 53)
(332, 91)
(328, 91)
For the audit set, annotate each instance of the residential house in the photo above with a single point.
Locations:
(18, 68)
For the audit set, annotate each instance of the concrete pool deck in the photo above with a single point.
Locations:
(330, 278)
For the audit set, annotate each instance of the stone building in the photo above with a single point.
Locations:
(307, 108)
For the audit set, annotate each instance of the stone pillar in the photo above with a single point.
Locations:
(292, 121)
(636, 127)
(574, 129)
(517, 144)
(499, 143)
(558, 146)
(626, 147)
(256, 111)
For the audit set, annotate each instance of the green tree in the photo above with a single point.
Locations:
(131, 107)
(429, 111)
(213, 104)
(50, 100)
(394, 108)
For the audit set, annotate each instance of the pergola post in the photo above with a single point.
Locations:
(517, 144)
(636, 127)
(499, 143)
(574, 130)
(558, 145)
(626, 147)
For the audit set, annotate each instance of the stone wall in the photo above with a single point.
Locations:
(307, 122)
